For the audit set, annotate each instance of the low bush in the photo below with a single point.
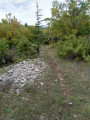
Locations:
(74, 48)
(17, 42)
(23, 50)
(52, 44)
(3, 48)
(24, 47)
(46, 42)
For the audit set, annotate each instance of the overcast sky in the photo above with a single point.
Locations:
(24, 10)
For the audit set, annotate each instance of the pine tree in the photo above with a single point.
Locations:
(26, 25)
(38, 25)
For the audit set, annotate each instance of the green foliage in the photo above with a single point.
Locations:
(69, 24)
(20, 40)
(10, 29)
(74, 48)
(23, 46)
(3, 46)
(52, 44)
(87, 58)
(86, 111)
(38, 25)
(46, 42)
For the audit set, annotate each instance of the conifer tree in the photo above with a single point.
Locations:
(38, 25)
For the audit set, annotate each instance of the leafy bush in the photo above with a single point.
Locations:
(20, 40)
(52, 44)
(74, 48)
(9, 55)
(46, 42)
(24, 47)
(3, 46)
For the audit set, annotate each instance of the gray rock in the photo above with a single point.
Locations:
(28, 77)
(41, 117)
(3, 61)
(17, 91)
(36, 70)
(56, 80)
(1, 79)
(7, 83)
(10, 71)
(42, 83)
(22, 73)
(16, 81)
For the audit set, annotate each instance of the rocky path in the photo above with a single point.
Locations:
(21, 73)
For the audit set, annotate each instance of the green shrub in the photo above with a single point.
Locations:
(24, 47)
(74, 48)
(3, 46)
(52, 44)
(9, 55)
(87, 58)
(46, 42)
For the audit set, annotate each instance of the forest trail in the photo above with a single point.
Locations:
(51, 60)
(73, 79)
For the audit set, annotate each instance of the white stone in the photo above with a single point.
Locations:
(17, 91)
(0, 78)
(62, 79)
(56, 80)
(36, 69)
(22, 73)
(42, 83)
(70, 104)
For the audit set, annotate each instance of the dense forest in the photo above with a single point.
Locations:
(68, 30)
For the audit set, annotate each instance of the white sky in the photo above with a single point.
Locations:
(24, 10)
